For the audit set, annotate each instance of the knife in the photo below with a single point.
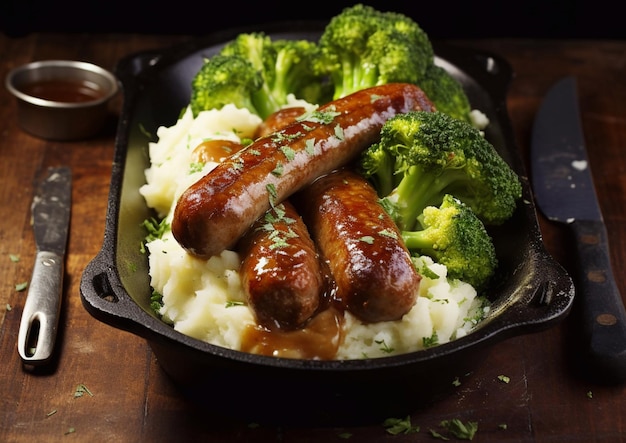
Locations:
(564, 192)
(50, 217)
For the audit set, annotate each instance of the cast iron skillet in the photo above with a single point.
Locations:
(532, 291)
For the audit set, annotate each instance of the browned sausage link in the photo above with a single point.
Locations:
(375, 279)
(213, 213)
(278, 120)
(281, 272)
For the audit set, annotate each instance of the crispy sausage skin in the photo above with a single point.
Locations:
(374, 276)
(281, 269)
(213, 213)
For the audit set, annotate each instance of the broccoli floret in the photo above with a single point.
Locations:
(257, 49)
(253, 46)
(258, 73)
(225, 79)
(446, 93)
(454, 236)
(286, 67)
(294, 73)
(362, 47)
(421, 156)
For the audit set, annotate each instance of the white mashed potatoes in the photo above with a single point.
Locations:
(204, 298)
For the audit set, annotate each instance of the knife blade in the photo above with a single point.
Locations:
(564, 191)
(51, 209)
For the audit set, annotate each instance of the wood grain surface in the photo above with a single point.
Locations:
(126, 397)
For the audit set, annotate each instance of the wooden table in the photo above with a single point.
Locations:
(129, 398)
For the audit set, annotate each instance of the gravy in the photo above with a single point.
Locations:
(66, 91)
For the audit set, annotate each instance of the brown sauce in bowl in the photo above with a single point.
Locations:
(66, 91)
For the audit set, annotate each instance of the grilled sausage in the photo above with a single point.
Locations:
(374, 276)
(281, 271)
(213, 213)
(278, 120)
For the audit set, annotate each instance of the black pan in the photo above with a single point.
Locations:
(532, 291)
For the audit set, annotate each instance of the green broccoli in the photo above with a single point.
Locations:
(225, 79)
(362, 47)
(454, 236)
(257, 49)
(421, 156)
(294, 73)
(446, 92)
(286, 67)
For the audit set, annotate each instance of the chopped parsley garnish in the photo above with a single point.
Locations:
(339, 132)
(324, 117)
(277, 214)
(81, 390)
(436, 434)
(309, 146)
(384, 346)
(278, 169)
(271, 190)
(424, 270)
(280, 137)
(144, 131)
(156, 301)
(155, 229)
(388, 233)
(195, 167)
(478, 314)
(433, 340)
(236, 163)
(19, 287)
(396, 426)
(456, 427)
(279, 237)
(289, 152)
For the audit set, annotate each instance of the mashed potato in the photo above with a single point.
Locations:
(204, 298)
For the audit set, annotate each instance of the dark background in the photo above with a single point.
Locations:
(439, 18)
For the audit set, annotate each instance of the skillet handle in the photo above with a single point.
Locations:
(103, 296)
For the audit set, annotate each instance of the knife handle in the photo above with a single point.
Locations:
(40, 318)
(601, 305)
